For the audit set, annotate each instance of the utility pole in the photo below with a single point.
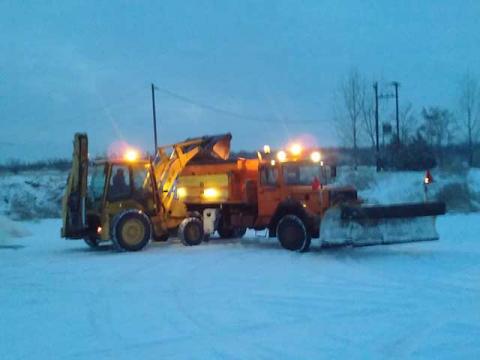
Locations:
(396, 84)
(154, 119)
(377, 153)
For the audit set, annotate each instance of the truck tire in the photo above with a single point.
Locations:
(191, 232)
(292, 234)
(239, 232)
(131, 231)
(163, 237)
(230, 233)
(226, 232)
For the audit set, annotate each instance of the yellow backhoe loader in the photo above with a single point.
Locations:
(129, 200)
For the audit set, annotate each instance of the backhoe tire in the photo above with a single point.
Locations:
(292, 234)
(131, 231)
(191, 231)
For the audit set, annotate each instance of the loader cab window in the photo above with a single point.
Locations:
(269, 176)
(97, 182)
(141, 181)
(119, 186)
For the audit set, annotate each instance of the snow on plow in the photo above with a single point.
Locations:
(380, 224)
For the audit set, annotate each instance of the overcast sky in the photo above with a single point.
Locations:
(87, 66)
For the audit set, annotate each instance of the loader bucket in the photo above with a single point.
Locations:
(377, 225)
(217, 146)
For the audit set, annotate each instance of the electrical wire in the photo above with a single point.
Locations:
(222, 111)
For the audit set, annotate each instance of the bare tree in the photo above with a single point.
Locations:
(407, 120)
(438, 128)
(469, 103)
(368, 114)
(350, 110)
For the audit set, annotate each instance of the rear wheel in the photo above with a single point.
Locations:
(224, 231)
(191, 232)
(131, 231)
(239, 232)
(229, 232)
(292, 234)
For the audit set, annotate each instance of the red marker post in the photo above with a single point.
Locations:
(427, 180)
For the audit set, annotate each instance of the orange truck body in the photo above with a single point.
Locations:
(247, 199)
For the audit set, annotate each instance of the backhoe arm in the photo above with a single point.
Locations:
(73, 202)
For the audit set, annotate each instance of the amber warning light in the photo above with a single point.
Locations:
(131, 155)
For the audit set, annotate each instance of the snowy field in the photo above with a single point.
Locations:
(240, 299)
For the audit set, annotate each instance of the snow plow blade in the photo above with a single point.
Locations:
(380, 224)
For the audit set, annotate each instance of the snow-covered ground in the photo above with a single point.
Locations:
(240, 299)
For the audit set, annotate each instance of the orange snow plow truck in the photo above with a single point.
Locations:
(291, 196)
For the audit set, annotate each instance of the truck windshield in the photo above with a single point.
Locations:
(97, 182)
(302, 174)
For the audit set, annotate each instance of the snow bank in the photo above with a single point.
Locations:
(10, 229)
(459, 190)
(32, 195)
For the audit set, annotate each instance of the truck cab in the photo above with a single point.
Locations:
(299, 185)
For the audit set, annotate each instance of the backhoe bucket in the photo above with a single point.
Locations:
(377, 225)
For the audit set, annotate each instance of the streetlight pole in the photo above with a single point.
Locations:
(154, 119)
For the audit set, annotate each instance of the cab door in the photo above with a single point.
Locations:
(269, 194)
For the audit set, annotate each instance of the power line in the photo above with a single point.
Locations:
(220, 110)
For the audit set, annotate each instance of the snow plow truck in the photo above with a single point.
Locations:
(289, 194)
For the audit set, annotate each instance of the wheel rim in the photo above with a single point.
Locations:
(133, 232)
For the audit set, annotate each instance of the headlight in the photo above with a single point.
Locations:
(316, 156)
(210, 193)
(281, 156)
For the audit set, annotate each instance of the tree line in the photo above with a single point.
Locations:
(425, 138)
